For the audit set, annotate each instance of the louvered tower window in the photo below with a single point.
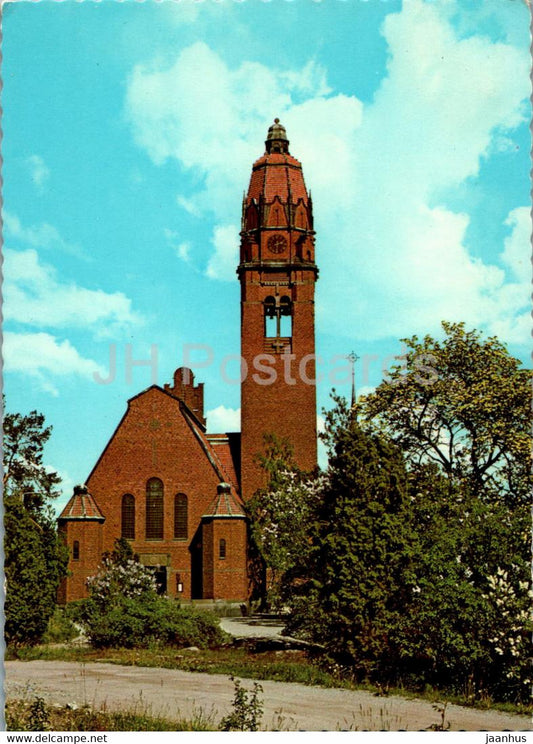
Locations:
(222, 548)
(180, 516)
(154, 509)
(76, 550)
(128, 516)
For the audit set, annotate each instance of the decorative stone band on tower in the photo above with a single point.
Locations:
(278, 273)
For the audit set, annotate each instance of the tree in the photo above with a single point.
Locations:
(413, 575)
(465, 627)
(25, 476)
(280, 515)
(35, 558)
(361, 561)
(460, 411)
(463, 403)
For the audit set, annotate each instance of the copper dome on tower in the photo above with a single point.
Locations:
(276, 140)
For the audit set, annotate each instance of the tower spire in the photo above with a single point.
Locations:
(352, 356)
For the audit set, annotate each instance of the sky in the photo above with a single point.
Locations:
(129, 132)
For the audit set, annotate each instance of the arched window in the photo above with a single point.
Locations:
(154, 509)
(285, 317)
(270, 317)
(180, 516)
(76, 550)
(128, 516)
(278, 317)
(222, 548)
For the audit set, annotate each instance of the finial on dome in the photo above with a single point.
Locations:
(276, 140)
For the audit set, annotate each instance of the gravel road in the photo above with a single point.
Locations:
(176, 694)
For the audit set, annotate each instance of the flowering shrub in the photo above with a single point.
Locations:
(124, 610)
(127, 579)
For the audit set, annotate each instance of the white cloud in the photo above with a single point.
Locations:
(517, 246)
(42, 357)
(223, 419)
(394, 259)
(182, 249)
(189, 205)
(38, 170)
(224, 260)
(322, 454)
(40, 236)
(34, 296)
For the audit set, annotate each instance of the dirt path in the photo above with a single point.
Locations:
(176, 694)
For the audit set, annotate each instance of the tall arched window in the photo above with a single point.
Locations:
(128, 516)
(180, 516)
(270, 317)
(76, 550)
(154, 509)
(222, 548)
(285, 317)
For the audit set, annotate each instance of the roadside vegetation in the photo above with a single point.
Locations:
(404, 566)
(37, 715)
(411, 566)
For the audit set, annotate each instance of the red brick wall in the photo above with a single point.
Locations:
(153, 441)
(89, 535)
(225, 578)
(287, 410)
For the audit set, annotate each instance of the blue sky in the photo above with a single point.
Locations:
(129, 134)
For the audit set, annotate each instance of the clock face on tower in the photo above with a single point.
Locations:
(276, 244)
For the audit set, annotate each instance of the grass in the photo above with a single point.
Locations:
(36, 715)
(281, 666)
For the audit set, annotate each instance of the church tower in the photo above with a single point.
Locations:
(277, 272)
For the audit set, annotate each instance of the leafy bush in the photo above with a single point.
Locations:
(60, 628)
(141, 622)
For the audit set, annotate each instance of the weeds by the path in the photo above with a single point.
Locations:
(281, 666)
(37, 715)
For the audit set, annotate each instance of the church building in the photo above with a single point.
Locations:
(175, 491)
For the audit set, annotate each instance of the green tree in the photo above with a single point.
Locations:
(466, 626)
(25, 476)
(280, 515)
(460, 410)
(35, 558)
(463, 403)
(361, 573)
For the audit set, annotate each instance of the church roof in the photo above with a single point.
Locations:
(222, 445)
(82, 506)
(218, 455)
(225, 504)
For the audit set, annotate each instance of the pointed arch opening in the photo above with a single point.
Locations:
(154, 509)
(128, 516)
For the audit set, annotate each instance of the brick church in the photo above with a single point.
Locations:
(176, 492)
